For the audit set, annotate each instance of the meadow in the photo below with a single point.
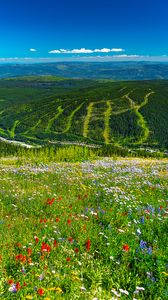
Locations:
(94, 230)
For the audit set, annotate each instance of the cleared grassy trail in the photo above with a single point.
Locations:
(33, 127)
(12, 130)
(141, 122)
(70, 118)
(107, 114)
(51, 121)
(87, 119)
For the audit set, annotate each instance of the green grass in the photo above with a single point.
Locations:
(12, 130)
(89, 230)
(60, 110)
(70, 118)
(87, 119)
(141, 123)
(107, 115)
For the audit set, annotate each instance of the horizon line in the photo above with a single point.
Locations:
(113, 58)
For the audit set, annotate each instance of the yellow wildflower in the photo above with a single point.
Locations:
(165, 273)
(56, 289)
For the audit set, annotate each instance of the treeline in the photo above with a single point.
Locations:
(71, 153)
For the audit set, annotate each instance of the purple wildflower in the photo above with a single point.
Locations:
(143, 245)
(13, 288)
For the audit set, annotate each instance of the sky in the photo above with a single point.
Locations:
(89, 30)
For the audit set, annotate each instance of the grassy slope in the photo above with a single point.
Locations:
(48, 108)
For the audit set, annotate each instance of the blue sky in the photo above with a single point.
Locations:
(40, 30)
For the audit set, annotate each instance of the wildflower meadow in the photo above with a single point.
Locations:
(94, 230)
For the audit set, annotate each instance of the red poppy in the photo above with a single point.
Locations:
(57, 219)
(50, 201)
(88, 243)
(126, 247)
(10, 281)
(68, 259)
(70, 239)
(69, 221)
(29, 260)
(45, 247)
(43, 220)
(18, 286)
(40, 292)
(36, 239)
(76, 250)
(55, 243)
(21, 257)
(29, 251)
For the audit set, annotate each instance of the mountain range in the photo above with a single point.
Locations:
(90, 70)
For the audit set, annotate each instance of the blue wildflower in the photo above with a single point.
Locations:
(149, 250)
(143, 245)
(142, 220)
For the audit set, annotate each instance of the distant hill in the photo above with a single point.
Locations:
(49, 109)
(92, 70)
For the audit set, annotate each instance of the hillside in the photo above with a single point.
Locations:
(49, 109)
(90, 70)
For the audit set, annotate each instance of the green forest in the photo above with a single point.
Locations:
(46, 110)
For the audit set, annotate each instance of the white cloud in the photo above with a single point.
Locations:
(82, 50)
(107, 50)
(55, 51)
(127, 56)
(85, 51)
(117, 50)
(32, 50)
(103, 50)
(73, 51)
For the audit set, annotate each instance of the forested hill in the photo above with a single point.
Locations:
(49, 109)
(92, 70)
